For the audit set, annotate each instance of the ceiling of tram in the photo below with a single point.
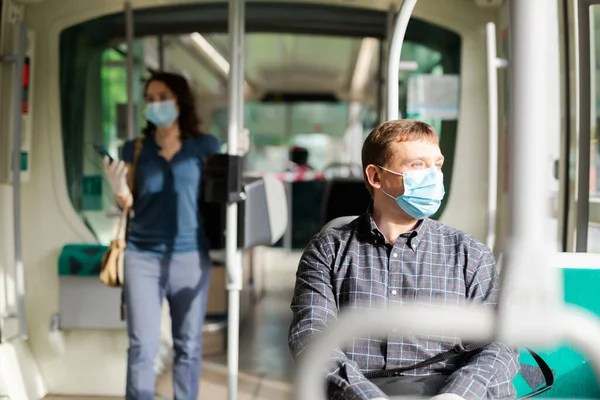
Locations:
(342, 66)
(297, 62)
(290, 47)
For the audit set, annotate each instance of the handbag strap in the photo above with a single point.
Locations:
(122, 223)
(459, 349)
(131, 182)
(546, 371)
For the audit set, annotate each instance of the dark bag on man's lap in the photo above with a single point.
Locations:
(425, 385)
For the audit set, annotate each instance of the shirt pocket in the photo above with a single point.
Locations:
(440, 282)
(360, 283)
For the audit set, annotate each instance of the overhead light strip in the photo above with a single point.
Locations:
(363, 64)
(216, 57)
(211, 52)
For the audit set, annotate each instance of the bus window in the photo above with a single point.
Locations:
(93, 101)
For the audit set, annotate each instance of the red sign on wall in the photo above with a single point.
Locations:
(25, 102)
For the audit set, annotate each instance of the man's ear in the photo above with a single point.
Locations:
(373, 176)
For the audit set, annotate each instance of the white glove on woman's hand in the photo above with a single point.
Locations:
(243, 142)
(116, 172)
(447, 396)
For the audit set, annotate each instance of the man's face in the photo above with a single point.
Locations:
(407, 156)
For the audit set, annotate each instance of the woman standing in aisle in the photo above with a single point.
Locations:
(167, 250)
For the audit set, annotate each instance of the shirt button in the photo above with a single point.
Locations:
(395, 254)
(394, 292)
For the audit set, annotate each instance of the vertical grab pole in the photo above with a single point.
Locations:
(529, 100)
(129, 36)
(241, 66)
(493, 63)
(529, 286)
(394, 58)
(585, 110)
(241, 86)
(18, 60)
(16, 178)
(161, 52)
(384, 59)
(492, 77)
(233, 255)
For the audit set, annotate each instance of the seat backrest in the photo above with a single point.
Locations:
(277, 206)
(306, 212)
(344, 197)
(263, 216)
(339, 222)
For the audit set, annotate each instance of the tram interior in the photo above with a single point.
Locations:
(314, 78)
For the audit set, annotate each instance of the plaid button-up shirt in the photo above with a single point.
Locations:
(355, 267)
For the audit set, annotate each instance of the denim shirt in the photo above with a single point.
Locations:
(167, 218)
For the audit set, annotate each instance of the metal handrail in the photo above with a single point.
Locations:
(232, 253)
(395, 52)
(493, 63)
(130, 37)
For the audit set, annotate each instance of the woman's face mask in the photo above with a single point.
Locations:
(162, 113)
(423, 191)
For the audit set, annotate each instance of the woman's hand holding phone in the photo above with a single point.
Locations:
(116, 171)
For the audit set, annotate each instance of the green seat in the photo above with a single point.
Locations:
(574, 377)
(80, 259)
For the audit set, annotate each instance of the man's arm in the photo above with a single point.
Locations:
(493, 368)
(314, 307)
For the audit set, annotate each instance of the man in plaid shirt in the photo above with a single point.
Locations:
(395, 252)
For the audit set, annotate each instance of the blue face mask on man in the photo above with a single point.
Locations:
(423, 191)
(162, 113)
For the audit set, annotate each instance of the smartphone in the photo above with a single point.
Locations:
(103, 152)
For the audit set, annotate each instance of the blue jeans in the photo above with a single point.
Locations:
(184, 280)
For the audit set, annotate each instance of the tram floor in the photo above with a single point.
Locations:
(263, 339)
(266, 366)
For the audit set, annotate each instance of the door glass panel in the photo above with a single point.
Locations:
(594, 183)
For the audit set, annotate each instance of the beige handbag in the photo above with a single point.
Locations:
(111, 266)
(111, 271)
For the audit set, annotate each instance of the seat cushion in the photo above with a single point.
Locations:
(81, 259)
(574, 378)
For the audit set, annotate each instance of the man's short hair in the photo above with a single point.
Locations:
(377, 148)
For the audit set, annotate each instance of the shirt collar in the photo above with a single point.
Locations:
(150, 142)
(411, 238)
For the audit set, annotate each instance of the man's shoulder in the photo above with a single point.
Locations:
(461, 241)
(341, 228)
(334, 234)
